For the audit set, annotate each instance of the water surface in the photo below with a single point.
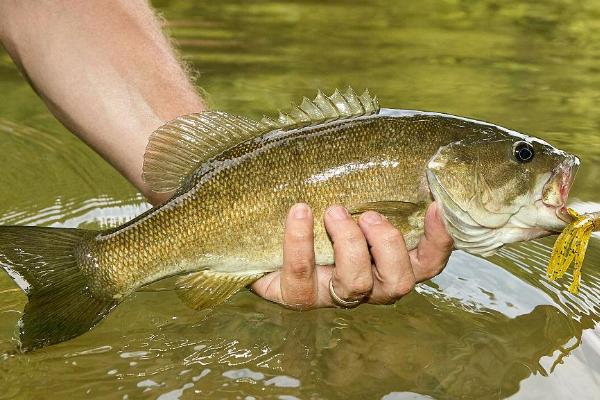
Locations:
(492, 328)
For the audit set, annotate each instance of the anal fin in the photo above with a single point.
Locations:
(207, 289)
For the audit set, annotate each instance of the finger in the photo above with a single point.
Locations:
(298, 281)
(352, 275)
(434, 248)
(394, 276)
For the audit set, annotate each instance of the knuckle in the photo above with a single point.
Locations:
(392, 238)
(360, 286)
(299, 235)
(394, 291)
(433, 265)
(300, 267)
(433, 269)
(403, 288)
(385, 299)
(353, 238)
(445, 241)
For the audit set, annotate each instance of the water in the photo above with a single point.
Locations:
(483, 329)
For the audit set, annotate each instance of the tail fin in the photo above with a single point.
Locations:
(43, 263)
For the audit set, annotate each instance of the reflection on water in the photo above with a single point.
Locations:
(491, 328)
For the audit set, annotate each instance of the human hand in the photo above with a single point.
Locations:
(392, 274)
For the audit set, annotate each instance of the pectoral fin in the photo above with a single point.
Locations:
(403, 215)
(207, 289)
(407, 217)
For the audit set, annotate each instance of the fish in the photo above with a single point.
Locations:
(234, 179)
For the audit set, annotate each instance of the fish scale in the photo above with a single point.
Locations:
(235, 179)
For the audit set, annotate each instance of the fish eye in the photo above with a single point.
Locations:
(523, 152)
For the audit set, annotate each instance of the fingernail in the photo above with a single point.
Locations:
(338, 212)
(371, 217)
(300, 211)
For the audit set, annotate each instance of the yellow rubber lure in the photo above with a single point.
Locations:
(570, 247)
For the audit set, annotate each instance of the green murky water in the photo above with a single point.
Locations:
(483, 329)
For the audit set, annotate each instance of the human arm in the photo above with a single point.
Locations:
(104, 69)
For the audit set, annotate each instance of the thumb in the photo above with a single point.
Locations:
(434, 248)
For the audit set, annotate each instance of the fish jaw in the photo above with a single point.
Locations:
(548, 215)
(552, 208)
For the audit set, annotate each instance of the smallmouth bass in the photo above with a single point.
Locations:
(235, 180)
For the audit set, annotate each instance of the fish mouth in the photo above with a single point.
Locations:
(556, 190)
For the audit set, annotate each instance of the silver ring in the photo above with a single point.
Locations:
(339, 301)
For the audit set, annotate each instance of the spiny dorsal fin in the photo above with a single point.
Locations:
(324, 109)
(177, 148)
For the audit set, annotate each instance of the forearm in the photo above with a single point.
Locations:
(105, 70)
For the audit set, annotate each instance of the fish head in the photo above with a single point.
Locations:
(497, 186)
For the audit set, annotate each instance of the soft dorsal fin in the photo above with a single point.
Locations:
(177, 148)
(324, 109)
